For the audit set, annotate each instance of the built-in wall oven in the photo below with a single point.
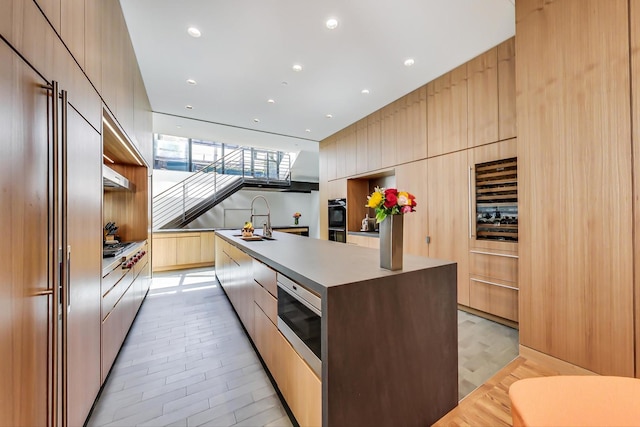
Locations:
(299, 320)
(337, 220)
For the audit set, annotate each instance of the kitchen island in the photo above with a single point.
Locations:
(388, 338)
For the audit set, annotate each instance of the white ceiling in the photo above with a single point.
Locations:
(248, 47)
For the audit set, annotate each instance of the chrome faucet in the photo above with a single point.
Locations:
(266, 231)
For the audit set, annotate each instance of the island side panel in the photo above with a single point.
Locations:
(390, 353)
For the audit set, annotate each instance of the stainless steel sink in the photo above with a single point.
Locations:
(255, 237)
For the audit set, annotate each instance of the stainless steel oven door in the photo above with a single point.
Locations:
(299, 320)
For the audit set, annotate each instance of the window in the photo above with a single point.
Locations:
(204, 153)
(192, 155)
(171, 152)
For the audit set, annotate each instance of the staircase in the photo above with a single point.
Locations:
(188, 199)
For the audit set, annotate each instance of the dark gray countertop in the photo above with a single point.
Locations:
(320, 264)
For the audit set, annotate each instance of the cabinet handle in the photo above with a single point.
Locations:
(493, 254)
(69, 278)
(494, 284)
(56, 249)
(470, 212)
(66, 279)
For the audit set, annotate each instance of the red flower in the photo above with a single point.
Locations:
(390, 197)
(412, 199)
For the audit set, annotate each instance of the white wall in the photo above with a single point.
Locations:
(235, 210)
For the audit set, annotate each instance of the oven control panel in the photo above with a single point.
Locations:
(133, 259)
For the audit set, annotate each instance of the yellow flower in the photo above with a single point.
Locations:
(375, 200)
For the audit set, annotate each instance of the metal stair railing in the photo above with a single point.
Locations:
(220, 177)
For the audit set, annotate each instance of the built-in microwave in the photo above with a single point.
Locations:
(299, 320)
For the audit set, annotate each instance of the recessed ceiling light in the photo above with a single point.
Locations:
(284, 83)
(365, 91)
(189, 107)
(307, 130)
(256, 120)
(194, 32)
(191, 82)
(271, 101)
(409, 62)
(179, 127)
(296, 67)
(331, 23)
(329, 116)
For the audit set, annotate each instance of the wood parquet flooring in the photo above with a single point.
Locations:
(489, 405)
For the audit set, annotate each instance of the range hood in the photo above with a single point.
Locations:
(112, 180)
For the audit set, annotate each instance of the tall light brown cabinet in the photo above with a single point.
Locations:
(427, 141)
(52, 197)
(577, 107)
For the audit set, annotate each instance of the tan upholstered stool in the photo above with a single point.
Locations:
(575, 401)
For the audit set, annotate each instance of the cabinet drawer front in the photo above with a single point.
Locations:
(494, 299)
(110, 299)
(110, 280)
(267, 302)
(265, 276)
(495, 266)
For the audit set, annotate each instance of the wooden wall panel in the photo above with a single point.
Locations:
(24, 265)
(84, 222)
(507, 89)
(350, 150)
(404, 143)
(435, 145)
(357, 192)
(93, 42)
(112, 27)
(447, 113)
(362, 152)
(418, 122)
(411, 126)
(341, 154)
(388, 135)
(482, 79)
(51, 9)
(331, 158)
(142, 118)
(574, 160)
(374, 136)
(132, 223)
(448, 206)
(634, 10)
(412, 177)
(72, 13)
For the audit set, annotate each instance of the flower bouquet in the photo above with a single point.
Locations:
(390, 201)
(296, 217)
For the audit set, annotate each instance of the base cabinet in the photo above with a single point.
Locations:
(362, 240)
(123, 291)
(301, 388)
(252, 289)
(188, 249)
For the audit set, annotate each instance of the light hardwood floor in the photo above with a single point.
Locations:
(489, 405)
(188, 362)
